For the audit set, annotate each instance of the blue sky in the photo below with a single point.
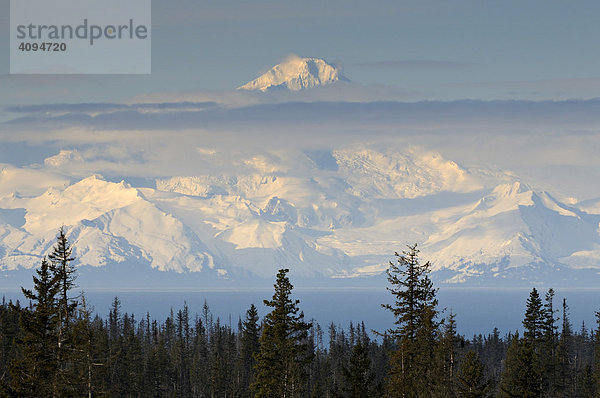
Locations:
(439, 50)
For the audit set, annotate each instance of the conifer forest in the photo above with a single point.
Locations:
(53, 345)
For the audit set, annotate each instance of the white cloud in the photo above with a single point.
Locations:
(62, 158)
(554, 144)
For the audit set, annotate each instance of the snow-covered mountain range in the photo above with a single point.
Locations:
(296, 73)
(342, 218)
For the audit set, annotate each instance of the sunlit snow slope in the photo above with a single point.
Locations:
(296, 73)
(343, 217)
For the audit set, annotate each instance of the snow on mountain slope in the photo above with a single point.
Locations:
(295, 73)
(305, 201)
(508, 230)
(241, 234)
(107, 222)
(87, 199)
(389, 174)
(161, 239)
(331, 213)
(511, 228)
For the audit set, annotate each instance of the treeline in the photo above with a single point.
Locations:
(54, 347)
(184, 356)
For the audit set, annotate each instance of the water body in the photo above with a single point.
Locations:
(477, 310)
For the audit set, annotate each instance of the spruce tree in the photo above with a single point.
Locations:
(534, 323)
(549, 345)
(471, 378)
(84, 351)
(338, 352)
(492, 354)
(71, 343)
(64, 272)
(586, 385)
(446, 359)
(565, 383)
(521, 375)
(358, 375)
(596, 367)
(249, 348)
(411, 372)
(61, 266)
(10, 333)
(281, 363)
(34, 373)
(534, 319)
(181, 348)
(200, 357)
(222, 360)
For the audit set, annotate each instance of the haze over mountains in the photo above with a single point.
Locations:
(229, 187)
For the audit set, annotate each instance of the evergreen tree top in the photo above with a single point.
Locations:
(534, 317)
(413, 292)
(285, 310)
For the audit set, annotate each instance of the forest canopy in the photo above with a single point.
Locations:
(54, 346)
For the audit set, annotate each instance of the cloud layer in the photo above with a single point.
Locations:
(552, 142)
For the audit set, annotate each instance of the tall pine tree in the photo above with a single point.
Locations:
(533, 335)
(596, 363)
(34, 373)
(358, 375)
(534, 319)
(521, 375)
(62, 267)
(471, 378)
(565, 383)
(249, 348)
(412, 373)
(63, 270)
(281, 367)
(549, 345)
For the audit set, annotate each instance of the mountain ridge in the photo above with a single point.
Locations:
(357, 206)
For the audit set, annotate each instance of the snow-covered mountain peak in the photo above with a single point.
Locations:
(520, 194)
(296, 73)
(86, 199)
(332, 212)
